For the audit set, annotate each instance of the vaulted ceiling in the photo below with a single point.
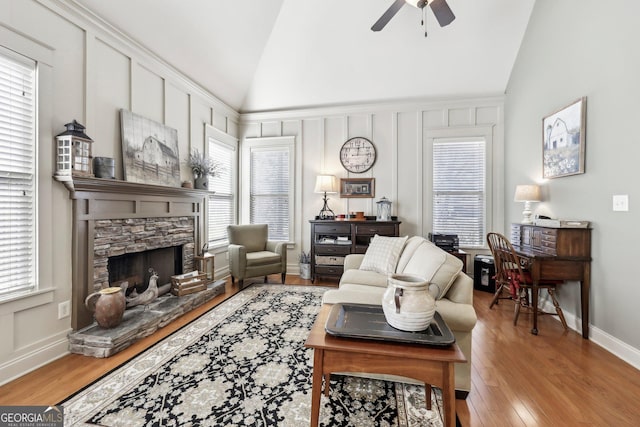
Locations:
(281, 54)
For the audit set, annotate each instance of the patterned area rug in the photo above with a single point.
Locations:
(244, 363)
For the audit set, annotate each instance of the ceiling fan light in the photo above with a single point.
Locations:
(418, 3)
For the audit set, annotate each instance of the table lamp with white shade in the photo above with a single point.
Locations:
(527, 194)
(326, 184)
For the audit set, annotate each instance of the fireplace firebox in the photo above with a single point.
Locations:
(134, 268)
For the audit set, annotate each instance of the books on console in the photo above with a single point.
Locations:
(561, 223)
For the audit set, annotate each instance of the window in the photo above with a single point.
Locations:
(222, 200)
(270, 165)
(17, 174)
(459, 189)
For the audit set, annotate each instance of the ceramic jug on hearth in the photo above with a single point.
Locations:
(407, 303)
(107, 305)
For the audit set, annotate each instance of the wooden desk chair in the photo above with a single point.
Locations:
(513, 281)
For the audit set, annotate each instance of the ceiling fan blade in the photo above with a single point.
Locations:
(386, 17)
(443, 13)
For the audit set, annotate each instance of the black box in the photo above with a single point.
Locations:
(484, 271)
(447, 242)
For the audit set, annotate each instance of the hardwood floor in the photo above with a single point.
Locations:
(553, 379)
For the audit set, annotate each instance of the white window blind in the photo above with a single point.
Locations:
(269, 190)
(222, 199)
(17, 174)
(459, 190)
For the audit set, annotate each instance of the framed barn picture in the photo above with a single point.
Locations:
(563, 140)
(149, 151)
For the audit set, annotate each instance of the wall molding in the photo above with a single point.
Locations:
(85, 19)
(605, 340)
(400, 105)
(57, 347)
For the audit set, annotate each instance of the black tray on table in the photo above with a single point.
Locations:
(367, 321)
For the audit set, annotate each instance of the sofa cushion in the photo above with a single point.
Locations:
(262, 258)
(410, 247)
(353, 294)
(382, 254)
(369, 278)
(436, 266)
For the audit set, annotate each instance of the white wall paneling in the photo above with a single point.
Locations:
(108, 64)
(88, 71)
(399, 132)
(148, 93)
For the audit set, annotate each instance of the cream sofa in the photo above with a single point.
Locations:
(422, 258)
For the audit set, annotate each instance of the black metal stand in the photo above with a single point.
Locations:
(326, 212)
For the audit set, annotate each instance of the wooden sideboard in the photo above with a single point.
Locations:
(332, 241)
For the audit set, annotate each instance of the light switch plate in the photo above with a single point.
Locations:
(621, 202)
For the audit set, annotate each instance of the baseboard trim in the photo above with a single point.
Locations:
(613, 345)
(31, 361)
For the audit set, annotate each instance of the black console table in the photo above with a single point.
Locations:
(332, 241)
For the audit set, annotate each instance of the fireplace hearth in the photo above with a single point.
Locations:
(138, 322)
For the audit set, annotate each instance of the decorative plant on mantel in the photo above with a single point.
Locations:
(203, 167)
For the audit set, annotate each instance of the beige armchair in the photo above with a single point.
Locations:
(251, 254)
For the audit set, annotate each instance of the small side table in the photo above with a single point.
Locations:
(430, 365)
(206, 265)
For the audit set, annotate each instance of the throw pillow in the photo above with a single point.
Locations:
(382, 254)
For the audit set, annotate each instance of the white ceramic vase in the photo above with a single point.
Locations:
(305, 271)
(407, 303)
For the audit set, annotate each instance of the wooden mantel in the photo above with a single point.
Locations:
(81, 184)
(96, 199)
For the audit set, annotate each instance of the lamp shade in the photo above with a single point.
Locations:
(527, 193)
(326, 184)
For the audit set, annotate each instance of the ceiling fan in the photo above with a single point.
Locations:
(440, 9)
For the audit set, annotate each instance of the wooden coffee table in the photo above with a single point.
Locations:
(431, 365)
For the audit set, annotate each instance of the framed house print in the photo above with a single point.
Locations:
(563, 140)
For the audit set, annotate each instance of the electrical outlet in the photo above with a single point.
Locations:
(621, 202)
(64, 309)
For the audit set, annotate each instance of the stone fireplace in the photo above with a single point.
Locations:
(127, 228)
(125, 249)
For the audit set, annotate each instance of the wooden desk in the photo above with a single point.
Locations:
(556, 254)
(433, 366)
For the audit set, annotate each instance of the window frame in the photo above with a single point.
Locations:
(33, 288)
(462, 134)
(216, 136)
(268, 143)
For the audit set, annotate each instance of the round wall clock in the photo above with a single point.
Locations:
(358, 155)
